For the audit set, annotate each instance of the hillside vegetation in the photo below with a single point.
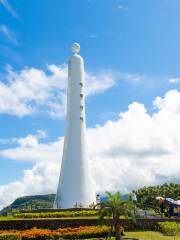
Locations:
(30, 203)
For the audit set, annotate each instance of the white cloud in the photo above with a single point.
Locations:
(28, 140)
(170, 104)
(135, 150)
(121, 7)
(174, 80)
(39, 179)
(100, 82)
(132, 78)
(8, 34)
(43, 176)
(34, 91)
(9, 8)
(31, 149)
(31, 90)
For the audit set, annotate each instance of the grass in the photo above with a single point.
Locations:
(2, 218)
(149, 235)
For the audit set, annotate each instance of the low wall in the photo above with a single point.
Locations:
(140, 224)
(46, 223)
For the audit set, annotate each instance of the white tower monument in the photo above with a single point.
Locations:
(75, 188)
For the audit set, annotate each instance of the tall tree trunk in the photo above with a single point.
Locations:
(117, 230)
(118, 235)
(110, 232)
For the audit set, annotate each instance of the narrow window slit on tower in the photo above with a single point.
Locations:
(81, 118)
(81, 107)
(81, 95)
(81, 84)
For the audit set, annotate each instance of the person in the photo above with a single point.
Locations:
(134, 197)
(171, 210)
(98, 199)
(178, 211)
(162, 207)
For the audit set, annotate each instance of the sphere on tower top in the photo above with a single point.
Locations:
(75, 48)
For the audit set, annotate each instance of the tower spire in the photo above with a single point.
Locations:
(75, 186)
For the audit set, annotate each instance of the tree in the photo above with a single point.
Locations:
(115, 207)
(147, 195)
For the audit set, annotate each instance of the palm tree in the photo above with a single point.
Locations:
(115, 207)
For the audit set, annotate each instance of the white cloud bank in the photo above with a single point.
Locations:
(33, 91)
(135, 150)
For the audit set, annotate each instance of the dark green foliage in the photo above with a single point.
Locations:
(146, 195)
(30, 203)
(9, 237)
(170, 228)
(116, 208)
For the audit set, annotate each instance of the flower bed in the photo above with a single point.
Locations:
(66, 233)
(61, 214)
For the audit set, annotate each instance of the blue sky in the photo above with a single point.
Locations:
(132, 54)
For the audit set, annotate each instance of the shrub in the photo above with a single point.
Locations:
(9, 236)
(61, 214)
(170, 228)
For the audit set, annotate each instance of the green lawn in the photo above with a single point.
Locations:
(148, 236)
(6, 218)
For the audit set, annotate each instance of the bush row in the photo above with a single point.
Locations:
(170, 228)
(61, 214)
(66, 233)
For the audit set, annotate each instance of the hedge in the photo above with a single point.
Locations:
(24, 224)
(62, 214)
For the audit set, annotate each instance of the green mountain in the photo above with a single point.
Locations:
(30, 203)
